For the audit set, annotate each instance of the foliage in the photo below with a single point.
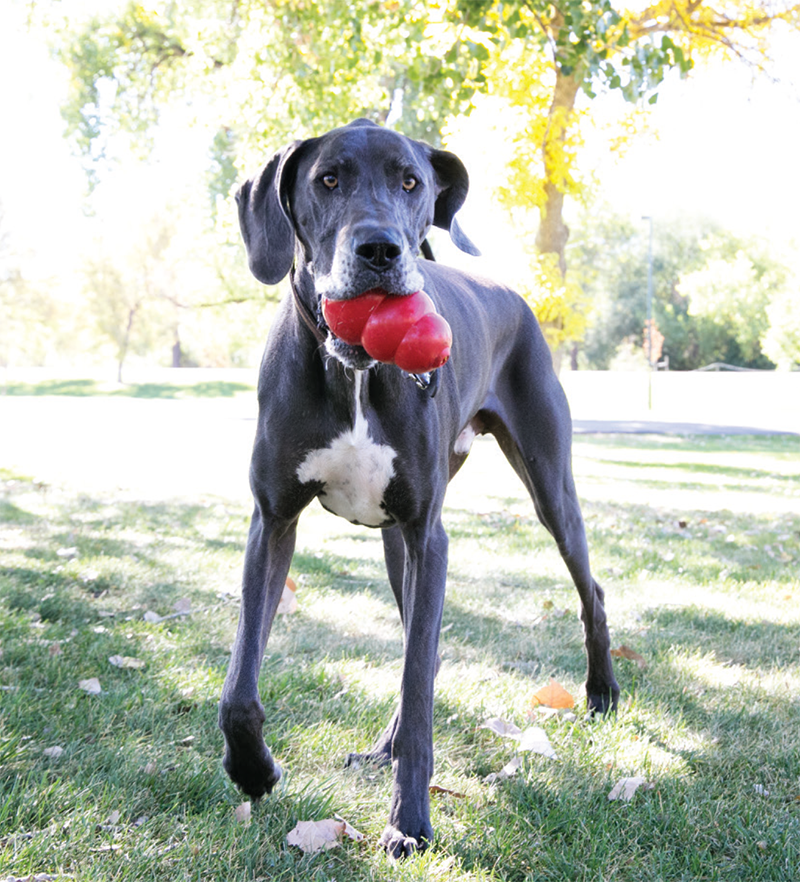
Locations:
(586, 47)
(732, 291)
(781, 341)
(264, 74)
(711, 291)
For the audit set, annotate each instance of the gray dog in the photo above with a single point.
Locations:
(346, 213)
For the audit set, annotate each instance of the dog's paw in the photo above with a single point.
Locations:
(254, 774)
(399, 845)
(377, 759)
(598, 702)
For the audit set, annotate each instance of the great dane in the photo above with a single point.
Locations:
(346, 213)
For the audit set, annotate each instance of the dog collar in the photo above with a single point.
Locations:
(305, 313)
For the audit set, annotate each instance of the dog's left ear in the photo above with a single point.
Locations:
(267, 229)
(452, 178)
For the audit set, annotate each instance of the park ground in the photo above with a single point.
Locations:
(122, 526)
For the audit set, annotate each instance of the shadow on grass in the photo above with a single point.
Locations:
(148, 746)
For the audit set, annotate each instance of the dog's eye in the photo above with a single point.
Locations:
(330, 181)
(409, 183)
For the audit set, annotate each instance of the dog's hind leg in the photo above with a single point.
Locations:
(533, 427)
(424, 574)
(394, 552)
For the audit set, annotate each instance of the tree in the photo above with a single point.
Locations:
(733, 291)
(781, 340)
(591, 46)
(264, 73)
(712, 291)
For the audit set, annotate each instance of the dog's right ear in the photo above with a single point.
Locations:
(264, 219)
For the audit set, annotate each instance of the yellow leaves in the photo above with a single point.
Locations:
(558, 302)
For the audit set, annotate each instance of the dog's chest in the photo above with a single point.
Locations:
(354, 471)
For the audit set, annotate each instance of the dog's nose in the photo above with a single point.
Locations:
(378, 247)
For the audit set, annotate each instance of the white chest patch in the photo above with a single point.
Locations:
(354, 469)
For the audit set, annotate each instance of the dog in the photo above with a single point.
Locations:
(342, 214)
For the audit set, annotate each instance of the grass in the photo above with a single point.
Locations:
(90, 388)
(697, 542)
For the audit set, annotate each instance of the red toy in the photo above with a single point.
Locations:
(404, 330)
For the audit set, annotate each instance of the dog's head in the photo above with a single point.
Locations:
(354, 205)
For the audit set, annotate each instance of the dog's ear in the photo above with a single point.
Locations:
(266, 226)
(453, 180)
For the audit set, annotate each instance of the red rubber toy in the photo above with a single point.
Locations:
(403, 330)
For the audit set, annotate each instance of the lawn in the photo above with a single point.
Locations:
(696, 540)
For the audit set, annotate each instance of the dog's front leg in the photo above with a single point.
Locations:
(270, 546)
(409, 828)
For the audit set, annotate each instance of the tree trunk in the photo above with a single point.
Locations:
(553, 232)
(123, 349)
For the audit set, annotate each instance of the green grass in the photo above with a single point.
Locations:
(697, 542)
(86, 388)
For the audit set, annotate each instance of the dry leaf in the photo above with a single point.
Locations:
(553, 695)
(501, 727)
(314, 836)
(626, 652)
(436, 789)
(626, 787)
(125, 661)
(54, 649)
(92, 686)
(242, 813)
(535, 739)
(53, 752)
(288, 601)
(508, 771)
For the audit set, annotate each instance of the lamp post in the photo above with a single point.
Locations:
(649, 314)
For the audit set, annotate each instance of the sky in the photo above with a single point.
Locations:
(727, 149)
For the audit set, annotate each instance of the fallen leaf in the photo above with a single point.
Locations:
(288, 601)
(508, 771)
(54, 649)
(501, 727)
(314, 836)
(626, 787)
(53, 752)
(535, 738)
(626, 652)
(125, 661)
(67, 553)
(113, 818)
(92, 686)
(436, 789)
(553, 695)
(242, 813)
